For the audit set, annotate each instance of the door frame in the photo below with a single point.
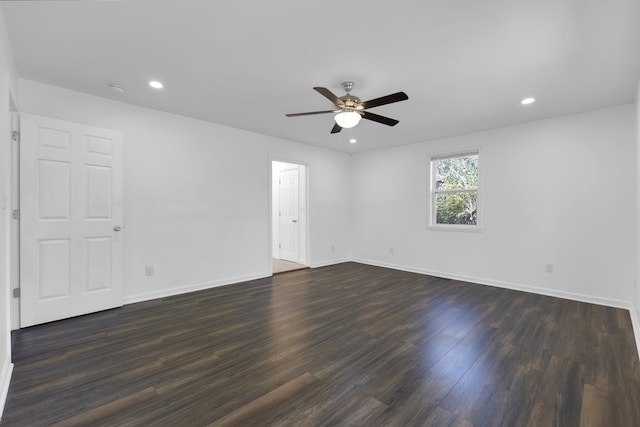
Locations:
(307, 246)
(14, 228)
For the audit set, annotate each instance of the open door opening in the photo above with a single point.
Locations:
(289, 205)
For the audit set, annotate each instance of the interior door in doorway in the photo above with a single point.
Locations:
(289, 215)
(71, 219)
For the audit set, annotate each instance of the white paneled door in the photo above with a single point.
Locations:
(71, 210)
(289, 226)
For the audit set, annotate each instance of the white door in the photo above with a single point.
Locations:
(289, 228)
(71, 219)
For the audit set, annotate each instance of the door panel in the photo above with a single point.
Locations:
(99, 263)
(54, 190)
(54, 268)
(98, 192)
(71, 200)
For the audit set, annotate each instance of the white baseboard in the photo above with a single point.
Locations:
(611, 302)
(131, 299)
(147, 296)
(330, 262)
(5, 381)
(635, 321)
(591, 299)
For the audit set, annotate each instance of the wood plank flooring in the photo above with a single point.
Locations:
(345, 345)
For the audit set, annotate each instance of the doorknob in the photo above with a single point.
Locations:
(117, 228)
(294, 220)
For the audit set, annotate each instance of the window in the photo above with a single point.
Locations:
(454, 190)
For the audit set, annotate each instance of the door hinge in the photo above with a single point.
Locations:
(15, 214)
(16, 292)
(15, 136)
(280, 245)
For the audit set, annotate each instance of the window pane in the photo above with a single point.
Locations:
(457, 208)
(456, 173)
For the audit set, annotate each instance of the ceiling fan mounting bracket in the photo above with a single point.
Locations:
(347, 86)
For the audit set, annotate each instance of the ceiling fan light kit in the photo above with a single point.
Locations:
(347, 119)
(351, 109)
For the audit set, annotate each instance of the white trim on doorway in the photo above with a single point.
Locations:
(304, 246)
(14, 227)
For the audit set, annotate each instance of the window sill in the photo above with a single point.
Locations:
(458, 228)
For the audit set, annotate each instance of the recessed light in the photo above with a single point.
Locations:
(353, 140)
(156, 84)
(527, 101)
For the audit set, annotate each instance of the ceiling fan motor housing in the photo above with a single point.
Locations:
(351, 102)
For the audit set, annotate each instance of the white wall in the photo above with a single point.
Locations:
(8, 89)
(558, 191)
(197, 194)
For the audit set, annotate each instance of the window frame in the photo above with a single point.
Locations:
(432, 192)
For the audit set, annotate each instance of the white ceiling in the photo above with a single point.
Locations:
(465, 64)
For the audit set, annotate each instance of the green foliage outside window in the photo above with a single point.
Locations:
(456, 190)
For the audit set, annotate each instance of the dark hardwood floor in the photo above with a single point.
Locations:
(342, 345)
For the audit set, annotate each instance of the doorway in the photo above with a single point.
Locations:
(289, 216)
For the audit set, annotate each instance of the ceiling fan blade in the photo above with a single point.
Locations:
(383, 100)
(336, 128)
(330, 96)
(380, 119)
(309, 113)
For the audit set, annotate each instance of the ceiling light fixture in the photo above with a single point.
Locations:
(156, 84)
(353, 140)
(527, 101)
(347, 119)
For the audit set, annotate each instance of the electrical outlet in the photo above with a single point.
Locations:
(548, 268)
(333, 248)
(392, 251)
(148, 270)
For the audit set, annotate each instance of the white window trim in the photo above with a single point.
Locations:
(431, 224)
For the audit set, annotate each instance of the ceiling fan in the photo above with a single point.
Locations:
(351, 109)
